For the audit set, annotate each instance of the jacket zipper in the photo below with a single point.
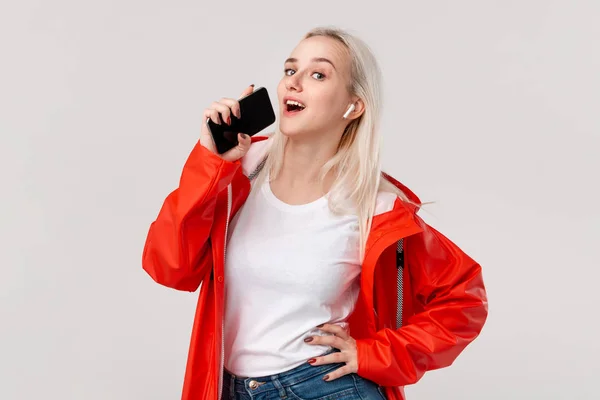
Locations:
(383, 243)
(222, 365)
(229, 201)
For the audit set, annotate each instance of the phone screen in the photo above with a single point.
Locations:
(256, 114)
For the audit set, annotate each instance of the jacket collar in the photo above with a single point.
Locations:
(395, 221)
(259, 148)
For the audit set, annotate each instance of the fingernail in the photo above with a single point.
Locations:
(228, 120)
(252, 85)
(326, 377)
(308, 339)
(244, 136)
(312, 360)
(320, 326)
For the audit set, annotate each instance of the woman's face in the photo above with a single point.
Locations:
(316, 75)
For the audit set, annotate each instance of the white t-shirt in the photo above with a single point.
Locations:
(288, 268)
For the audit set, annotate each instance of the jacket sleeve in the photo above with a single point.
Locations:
(177, 251)
(450, 310)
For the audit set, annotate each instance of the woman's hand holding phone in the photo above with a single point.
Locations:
(225, 107)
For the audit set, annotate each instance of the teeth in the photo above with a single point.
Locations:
(295, 103)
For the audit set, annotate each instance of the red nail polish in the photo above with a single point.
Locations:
(326, 377)
(309, 339)
(312, 360)
(228, 120)
(320, 326)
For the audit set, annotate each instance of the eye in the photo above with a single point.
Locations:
(288, 70)
(319, 76)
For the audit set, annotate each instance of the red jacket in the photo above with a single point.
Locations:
(406, 321)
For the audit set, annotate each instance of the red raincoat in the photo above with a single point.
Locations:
(406, 320)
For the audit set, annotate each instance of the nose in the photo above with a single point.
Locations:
(292, 83)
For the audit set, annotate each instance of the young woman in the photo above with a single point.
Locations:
(319, 281)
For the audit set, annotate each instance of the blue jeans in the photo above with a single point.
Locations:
(304, 382)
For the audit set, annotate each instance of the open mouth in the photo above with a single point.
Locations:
(294, 106)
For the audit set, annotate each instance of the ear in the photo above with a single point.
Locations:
(359, 109)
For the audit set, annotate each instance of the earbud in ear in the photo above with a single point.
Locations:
(350, 109)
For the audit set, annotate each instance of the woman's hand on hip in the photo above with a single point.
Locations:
(342, 341)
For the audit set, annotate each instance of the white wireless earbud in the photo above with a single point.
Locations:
(350, 109)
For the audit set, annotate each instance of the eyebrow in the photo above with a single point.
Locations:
(317, 59)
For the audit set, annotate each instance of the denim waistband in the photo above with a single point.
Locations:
(296, 375)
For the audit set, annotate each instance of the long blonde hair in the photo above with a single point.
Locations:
(356, 163)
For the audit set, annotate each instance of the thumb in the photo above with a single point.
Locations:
(240, 150)
(247, 91)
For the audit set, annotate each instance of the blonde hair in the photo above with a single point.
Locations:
(356, 162)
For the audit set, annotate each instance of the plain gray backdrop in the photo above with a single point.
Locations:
(491, 110)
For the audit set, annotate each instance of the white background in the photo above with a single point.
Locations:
(491, 110)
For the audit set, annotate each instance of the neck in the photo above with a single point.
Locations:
(304, 157)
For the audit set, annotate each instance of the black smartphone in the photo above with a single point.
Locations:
(256, 114)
